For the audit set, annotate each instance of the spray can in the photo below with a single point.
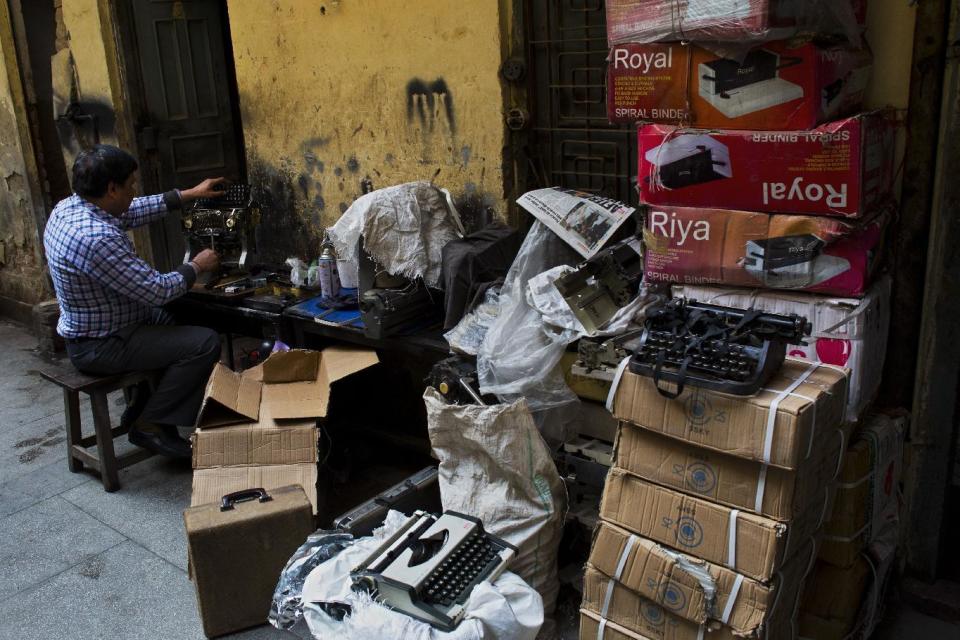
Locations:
(327, 271)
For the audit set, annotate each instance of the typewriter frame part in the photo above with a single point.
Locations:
(729, 350)
(690, 159)
(455, 378)
(604, 284)
(736, 89)
(224, 224)
(791, 261)
(599, 358)
(419, 569)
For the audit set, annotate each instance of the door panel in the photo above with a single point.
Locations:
(183, 51)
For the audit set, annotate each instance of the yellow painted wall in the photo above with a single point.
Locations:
(333, 91)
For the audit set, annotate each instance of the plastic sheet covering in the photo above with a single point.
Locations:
(741, 21)
(404, 228)
(467, 336)
(287, 607)
(519, 354)
(495, 466)
(508, 609)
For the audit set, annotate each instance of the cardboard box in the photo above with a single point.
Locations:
(735, 482)
(834, 595)
(693, 589)
(747, 543)
(287, 386)
(210, 485)
(777, 86)
(847, 332)
(843, 168)
(745, 426)
(630, 616)
(258, 428)
(777, 251)
(867, 493)
(725, 20)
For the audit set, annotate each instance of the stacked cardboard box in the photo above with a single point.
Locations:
(711, 514)
(258, 428)
(860, 538)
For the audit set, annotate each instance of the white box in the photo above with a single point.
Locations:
(848, 332)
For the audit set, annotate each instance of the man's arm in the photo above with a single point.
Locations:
(147, 209)
(114, 265)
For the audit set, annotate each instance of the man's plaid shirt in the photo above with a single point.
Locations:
(101, 283)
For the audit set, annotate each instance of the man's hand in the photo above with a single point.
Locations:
(206, 260)
(206, 189)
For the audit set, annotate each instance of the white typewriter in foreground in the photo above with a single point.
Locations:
(429, 568)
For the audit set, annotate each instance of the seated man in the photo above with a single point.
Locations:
(110, 299)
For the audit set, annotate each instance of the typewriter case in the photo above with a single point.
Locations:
(237, 549)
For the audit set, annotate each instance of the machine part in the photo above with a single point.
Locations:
(517, 119)
(388, 312)
(604, 284)
(513, 69)
(456, 380)
(729, 350)
(225, 224)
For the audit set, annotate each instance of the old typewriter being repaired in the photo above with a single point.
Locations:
(730, 350)
(225, 224)
(429, 568)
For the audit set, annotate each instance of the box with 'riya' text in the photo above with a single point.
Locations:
(843, 168)
(817, 254)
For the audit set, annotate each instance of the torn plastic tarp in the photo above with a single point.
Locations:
(404, 228)
(519, 354)
(508, 609)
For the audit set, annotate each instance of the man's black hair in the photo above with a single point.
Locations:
(95, 168)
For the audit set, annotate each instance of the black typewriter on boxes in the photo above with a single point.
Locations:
(225, 224)
(729, 350)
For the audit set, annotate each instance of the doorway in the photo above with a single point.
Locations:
(184, 109)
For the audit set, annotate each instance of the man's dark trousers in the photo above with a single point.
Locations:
(187, 353)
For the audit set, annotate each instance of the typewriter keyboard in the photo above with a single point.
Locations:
(453, 580)
(714, 357)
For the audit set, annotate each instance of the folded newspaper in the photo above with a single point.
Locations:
(585, 221)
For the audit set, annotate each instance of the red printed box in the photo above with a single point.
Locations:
(730, 20)
(802, 253)
(777, 86)
(844, 168)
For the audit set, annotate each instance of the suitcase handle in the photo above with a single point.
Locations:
(227, 501)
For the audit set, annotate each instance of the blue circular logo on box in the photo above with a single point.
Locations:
(653, 614)
(689, 532)
(701, 477)
(672, 597)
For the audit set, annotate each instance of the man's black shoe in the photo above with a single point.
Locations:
(163, 443)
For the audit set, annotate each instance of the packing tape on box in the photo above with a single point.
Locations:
(732, 540)
(734, 592)
(617, 377)
(771, 425)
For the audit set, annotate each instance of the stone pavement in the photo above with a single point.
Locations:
(77, 562)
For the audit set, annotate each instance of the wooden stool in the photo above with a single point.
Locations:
(105, 462)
